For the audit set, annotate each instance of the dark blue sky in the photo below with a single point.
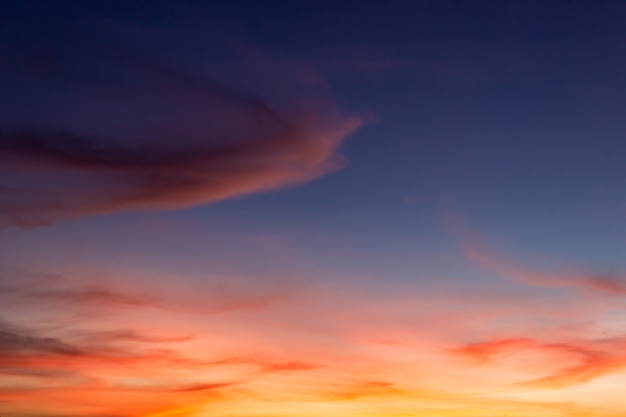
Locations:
(510, 113)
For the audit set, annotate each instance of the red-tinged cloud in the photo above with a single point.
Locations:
(485, 351)
(60, 293)
(156, 137)
(591, 358)
(154, 363)
(595, 360)
(591, 368)
(475, 249)
(590, 283)
(99, 374)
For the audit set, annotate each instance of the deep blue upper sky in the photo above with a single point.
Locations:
(509, 114)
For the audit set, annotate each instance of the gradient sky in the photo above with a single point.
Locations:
(306, 209)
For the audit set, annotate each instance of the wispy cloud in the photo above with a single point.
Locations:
(485, 351)
(595, 360)
(17, 340)
(475, 248)
(74, 293)
(572, 362)
(607, 284)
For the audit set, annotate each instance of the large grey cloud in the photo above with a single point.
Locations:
(92, 126)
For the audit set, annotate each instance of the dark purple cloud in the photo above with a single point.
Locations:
(99, 127)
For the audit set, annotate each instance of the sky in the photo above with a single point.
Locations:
(307, 209)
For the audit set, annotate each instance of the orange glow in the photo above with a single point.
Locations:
(305, 352)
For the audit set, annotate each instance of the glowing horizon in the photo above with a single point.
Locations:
(141, 344)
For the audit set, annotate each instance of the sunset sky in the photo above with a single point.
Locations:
(312, 208)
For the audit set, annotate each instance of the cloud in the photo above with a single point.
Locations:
(197, 387)
(593, 358)
(591, 368)
(288, 366)
(57, 345)
(483, 352)
(474, 248)
(135, 336)
(16, 340)
(94, 295)
(134, 133)
(590, 283)
(218, 299)
(596, 359)
(360, 389)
